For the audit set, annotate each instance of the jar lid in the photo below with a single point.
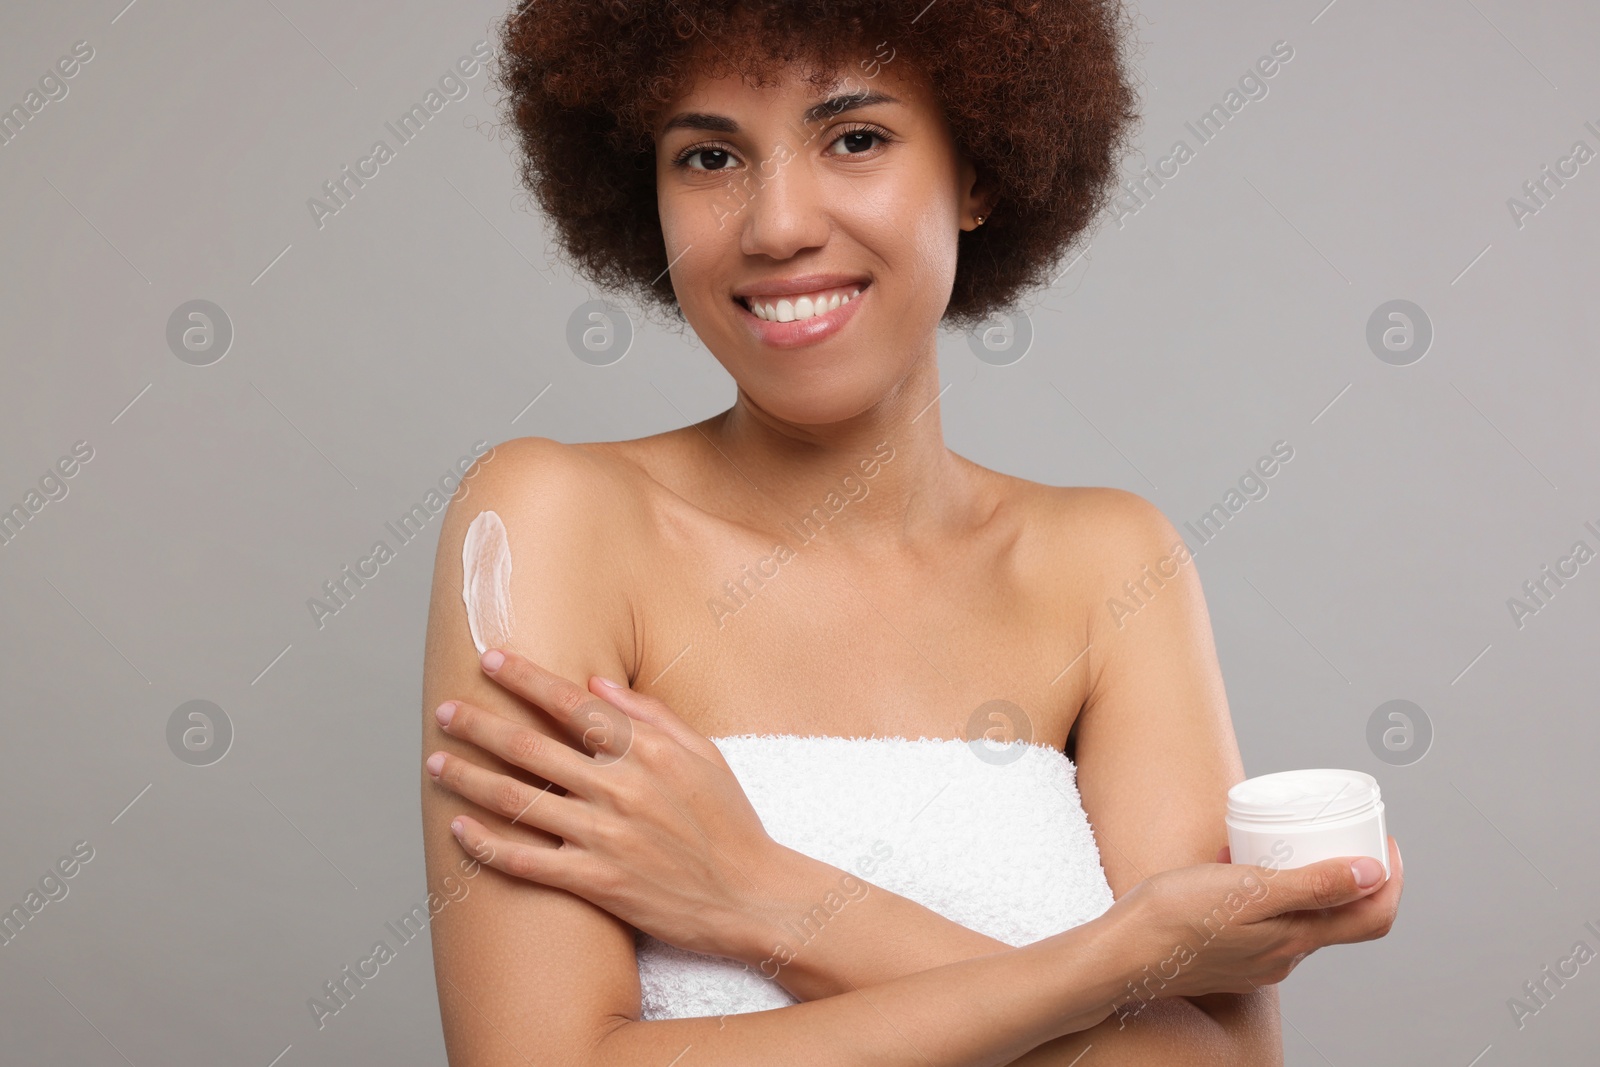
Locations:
(1321, 794)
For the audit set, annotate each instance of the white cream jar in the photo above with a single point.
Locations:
(1293, 818)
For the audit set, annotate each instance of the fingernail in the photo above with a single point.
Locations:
(609, 682)
(492, 660)
(1367, 870)
(435, 763)
(455, 827)
(445, 712)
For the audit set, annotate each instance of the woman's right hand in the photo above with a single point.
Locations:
(1232, 928)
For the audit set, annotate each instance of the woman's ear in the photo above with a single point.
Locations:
(977, 201)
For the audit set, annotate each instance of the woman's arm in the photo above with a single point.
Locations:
(979, 1012)
(990, 1009)
(523, 970)
(884, 935)
(1156, 756)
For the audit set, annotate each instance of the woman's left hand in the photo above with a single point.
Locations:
(655, 827)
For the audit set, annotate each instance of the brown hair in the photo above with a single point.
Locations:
(1037, 94)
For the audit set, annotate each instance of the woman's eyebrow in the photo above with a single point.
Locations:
(700, 120)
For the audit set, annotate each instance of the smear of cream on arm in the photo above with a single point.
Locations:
(486, 582)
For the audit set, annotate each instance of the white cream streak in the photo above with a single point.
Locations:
(486, 582)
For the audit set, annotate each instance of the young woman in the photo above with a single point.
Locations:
(788, 835)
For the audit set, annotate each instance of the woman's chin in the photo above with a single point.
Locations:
(799, 406)
(814, 386)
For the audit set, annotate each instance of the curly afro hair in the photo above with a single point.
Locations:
(1037, 93)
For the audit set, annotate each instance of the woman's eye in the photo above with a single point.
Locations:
(858, 139)
(717, 158)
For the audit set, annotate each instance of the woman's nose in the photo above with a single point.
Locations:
(784, 208)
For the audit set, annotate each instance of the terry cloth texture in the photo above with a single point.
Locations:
(993, 837)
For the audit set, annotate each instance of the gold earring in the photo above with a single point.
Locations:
(978, 221)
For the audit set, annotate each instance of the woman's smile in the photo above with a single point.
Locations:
(802, 319)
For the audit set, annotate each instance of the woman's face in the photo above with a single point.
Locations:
(762, 191)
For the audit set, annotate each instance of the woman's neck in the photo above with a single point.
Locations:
(887, 472)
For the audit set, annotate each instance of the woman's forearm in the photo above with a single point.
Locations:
(815, 941)
(815, 952)
(983, 1011)
(1240, 1030)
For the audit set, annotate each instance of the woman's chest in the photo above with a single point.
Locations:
(801, 636)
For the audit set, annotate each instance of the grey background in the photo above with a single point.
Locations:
(1228, 313)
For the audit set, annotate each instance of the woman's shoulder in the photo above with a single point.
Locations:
(598, 504)
(542, 476)
(1085, 509)
(532, 457)
(548, 524)
(568, 505)
(1095, 527)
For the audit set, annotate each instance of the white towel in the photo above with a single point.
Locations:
(993, 837)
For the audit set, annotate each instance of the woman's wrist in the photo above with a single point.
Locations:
(1098, 967)
(1143, 963)
(792, 897)
(1093, 964)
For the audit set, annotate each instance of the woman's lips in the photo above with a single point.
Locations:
(801, 332)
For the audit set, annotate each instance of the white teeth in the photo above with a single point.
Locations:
(805, 307)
